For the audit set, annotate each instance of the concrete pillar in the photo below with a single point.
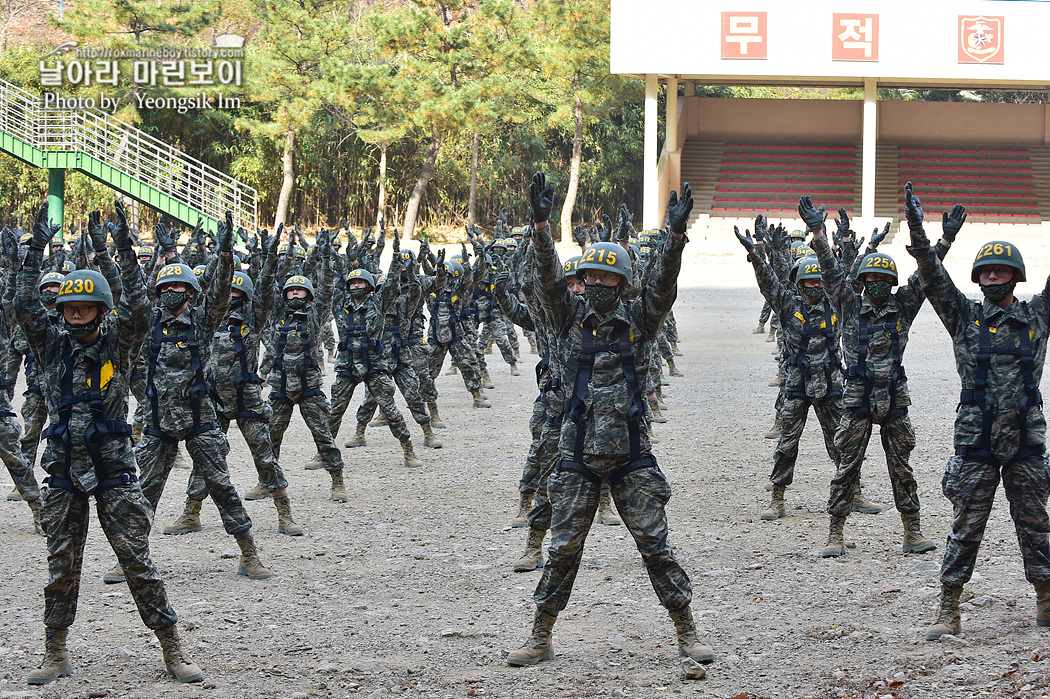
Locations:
(56, 194)
(672, 115)
(650, 185)
(867, 177)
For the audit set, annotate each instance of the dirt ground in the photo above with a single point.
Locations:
(407, 589)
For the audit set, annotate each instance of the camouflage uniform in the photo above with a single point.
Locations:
(34, 409)
(1000, 430)
(449, 330)
(179, 404)
(495, 330)
(88, 452)
(604, 436)
(13, 455)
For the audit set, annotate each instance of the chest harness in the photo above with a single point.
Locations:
(810, 329)
(302, 328)
(862, 372)
(199, 389)
(99, 429)
(247, 377)
(355, 340)
(576, 407)
(979, 395)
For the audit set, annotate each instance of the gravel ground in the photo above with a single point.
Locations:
(407, 589)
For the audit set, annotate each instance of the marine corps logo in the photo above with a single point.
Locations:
(980, 39)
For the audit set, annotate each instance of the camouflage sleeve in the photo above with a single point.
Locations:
(10, 285)
(265, 297)
(662, 289)
(109, 270)
(778, 295)
(30, 312)
(132, 311)
(326, 288)
(839, 294)
(552, 291)
(392, 286)
(951, 305)
(14, 356)
(780, 261)
(911, 296)
(515, 310)
(217, 300)
(415, 291)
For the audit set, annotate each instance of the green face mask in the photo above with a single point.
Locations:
(172, 300)
(298, 304)
(813, 293)
(602, 297)
(48, 298)
(878, 290)
(998, 292)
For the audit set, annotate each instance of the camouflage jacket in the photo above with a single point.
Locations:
(1022, 323)
(179, 387)
(233, 371)
(608, 401)
(295, 366)
(811, 367)
(108, 360)
(366, 329)
(449, 309)
(407, 307)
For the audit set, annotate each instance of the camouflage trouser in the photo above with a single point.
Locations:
(970, 485)
(546, 457)
(418, 357)
(793, 419)
(640, 497)
(316, 414)
(664, 345)
(898, 439)
(767, 310)
(257, 434)
(208, 450)
(328, 336)
(408, 383)
(381, 386)
(463, 356)
(126, 519)
(671, 326)
(20, 469)
(530, 475)
(34, 415)
(495, 330)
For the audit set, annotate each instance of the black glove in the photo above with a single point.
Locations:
(951, 223)
(814, 217)
(679, 208)
(164, 240)
(605, 232)
(592, 235)
(464, 253)
(10, 246)
(41, 230)
(541, 196)
(745, 240)
(761, 227)
(842, 223)
(778, 238)
(441, 258)
(274, 242)
(226, 233)
(424, 248)
(395, 244)
(500, 283)
(912, 209)
(95, 231)
(877, 236)
(579, 235)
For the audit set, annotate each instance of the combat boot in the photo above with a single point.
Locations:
(259, 492)
(285, 523)
(776, 505)
(435, 419)
(250, 565)
(863, 505)
(34, 507)
(914, 541)
(486, 381)
(429, 438)
(675, 351)
(539, 646)
(338, 489)
(359, 437)
(175, 661)
(655, 407)
(452, 371)
(480, 401)
(114, 576)
(689, 645)
(772, 336)
(948, 620)
(488, 348)
(759, 330)
(663, 379)
(1042, 604)
(606, 513)
(532, 559)
(836, 546)
(190, 521)
(514, 369)
(315, 464)
(778, 379)
(411, 460)
(516, 351)
(774, 431)
(15, 495)
(380, 421)
(56, 658)
(672, 369)
(532, 348)
(524, 505)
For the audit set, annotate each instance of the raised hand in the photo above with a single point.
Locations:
(877, 236)
(441, 258)
(745, 240)
(579, 235)
(41, 230)
(779, 238)
(226, 233)
(912, 209)
(464, 253)
(395, 245)
(761, 227)
(500, 281)
(842, 224)
(95, 230)
(679, 208)
(541, 197)
(165, 241)
(951, 223)
(10, 243)
(813, 216)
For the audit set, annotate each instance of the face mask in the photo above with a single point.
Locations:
(813, 293)
(48, 298)
(82, 332)
(998, 292)
(878, 290)
(602, 297)
(298, 304)
(360, 293)
(172, 300)
(236, 302)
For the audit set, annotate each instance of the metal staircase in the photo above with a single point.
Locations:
(122, 157)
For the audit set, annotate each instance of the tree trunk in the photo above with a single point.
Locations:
(472, 206)
(289, 178)
(574, 167)
(381, 208)
(412, 210)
